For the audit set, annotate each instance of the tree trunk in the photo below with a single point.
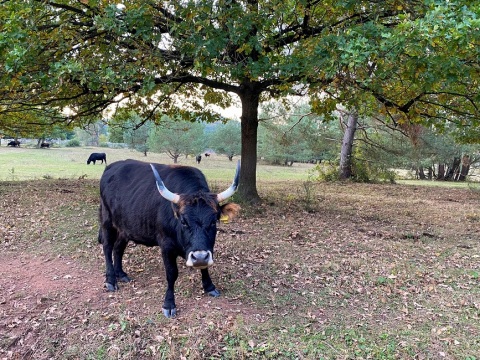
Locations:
(465, 168)
(430, 173)
(247, 188)
(453, 169)
(441, 172)
(421, 173)
(347, 146)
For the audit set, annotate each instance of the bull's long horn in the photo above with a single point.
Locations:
(162, 189)
(231, 190)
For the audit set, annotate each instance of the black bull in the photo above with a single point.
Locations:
(161, 205)
(97, 157)
(14, 143)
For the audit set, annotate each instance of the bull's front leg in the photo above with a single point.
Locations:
(208, 285)
(171, 270)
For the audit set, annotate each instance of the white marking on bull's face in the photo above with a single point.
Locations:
(200, 259)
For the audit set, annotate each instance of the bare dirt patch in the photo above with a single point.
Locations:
(31, 288)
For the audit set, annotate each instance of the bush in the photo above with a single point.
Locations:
(73, 143)
(363, 171)
(366, 171)
(324, 172)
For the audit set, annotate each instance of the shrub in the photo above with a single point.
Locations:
(73, 143)
(324, 172)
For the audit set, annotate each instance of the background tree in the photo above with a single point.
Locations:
(92, 134)
(411, 71)
(289, 136)
(129, 127)
(50, 133)
(176, 138)
(439, 156)
(226, 139)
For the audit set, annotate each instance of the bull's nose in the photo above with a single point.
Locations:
(200, 259)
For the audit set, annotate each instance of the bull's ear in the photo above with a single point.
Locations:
(229, 211)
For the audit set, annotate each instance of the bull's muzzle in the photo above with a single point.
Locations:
(200, 259)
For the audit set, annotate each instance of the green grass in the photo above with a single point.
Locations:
(70, 163)
(450, 184)
(18, 164)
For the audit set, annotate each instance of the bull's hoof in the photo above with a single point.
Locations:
(214, 293)
(169, 313)
(111, 287)
(124, 279)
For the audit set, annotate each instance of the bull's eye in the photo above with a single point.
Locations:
(183, 222)
(212, 224)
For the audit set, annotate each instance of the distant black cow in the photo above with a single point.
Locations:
(44, 145)
(136, 205)
(207, 154)
(198, 159)
(97, 157)
(14, 143)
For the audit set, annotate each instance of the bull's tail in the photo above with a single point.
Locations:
(100, 222)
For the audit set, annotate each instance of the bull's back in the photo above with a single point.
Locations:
(131, 201)
(127, 187)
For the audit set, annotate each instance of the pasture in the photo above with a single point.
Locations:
(71, 163)
(317, 271)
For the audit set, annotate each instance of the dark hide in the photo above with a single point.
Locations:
(198, 159)
(44, 145)
(14, 143)
(97, 157)
(132, 209)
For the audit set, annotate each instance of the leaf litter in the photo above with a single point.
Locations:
(367, 271)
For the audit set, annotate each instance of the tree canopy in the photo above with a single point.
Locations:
(70, 61)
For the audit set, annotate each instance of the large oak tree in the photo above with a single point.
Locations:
(178, 57)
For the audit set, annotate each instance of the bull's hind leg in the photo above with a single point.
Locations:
(108, 238)
(208, 285)
(118, 251)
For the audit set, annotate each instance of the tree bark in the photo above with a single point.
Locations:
(453, 169)
(347, 146)
(430, 173)
(247, 188)
(421, 173)
(441, 172)
(465, 168)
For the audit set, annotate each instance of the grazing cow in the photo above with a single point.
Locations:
(207, 154)
(14, 143)
(181, 218)
(198, 159)
(97, 157)
(44, 145)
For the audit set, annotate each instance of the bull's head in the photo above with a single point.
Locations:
(198, 215)
(175, 198)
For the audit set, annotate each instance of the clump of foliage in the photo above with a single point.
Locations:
(73, 143)
(328, 172)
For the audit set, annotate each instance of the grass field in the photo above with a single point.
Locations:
(317, 271)
(70, 163)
